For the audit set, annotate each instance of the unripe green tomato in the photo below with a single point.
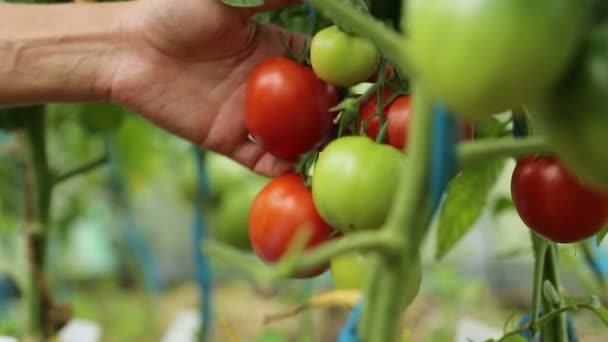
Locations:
(224, 173)
(482, 57)
(354, 182)
(100, 117)
(232, 220)
(351, 271)
(343, 59)
(575, 116)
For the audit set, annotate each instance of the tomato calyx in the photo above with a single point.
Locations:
(304, 169)
(303, 58)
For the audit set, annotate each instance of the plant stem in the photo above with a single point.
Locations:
(391, 43)
(81, 169)
(37, 233)
(558, 328)
(540, 250)
(360, 241)
(407, 221)
(471, 152)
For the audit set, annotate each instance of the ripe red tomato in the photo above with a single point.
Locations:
(279, 212)
(287, 107)
(398, 114)
(554, 203)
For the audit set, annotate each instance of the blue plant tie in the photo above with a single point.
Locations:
(349, 331)
(444, 159)
(204, 277)
(528, 335)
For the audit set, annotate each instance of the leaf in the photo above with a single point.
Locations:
(466, 198)
(244, 3)
(601, 235)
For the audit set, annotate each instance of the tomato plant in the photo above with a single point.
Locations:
(482, 57)
(398, 114)
(341, 58)
(287, 107)
(554, 203)
(354, 179)
(282, 209)
(575, 116)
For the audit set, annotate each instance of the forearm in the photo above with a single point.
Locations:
(59, 53)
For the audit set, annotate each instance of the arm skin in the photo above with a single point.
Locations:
(182, 65)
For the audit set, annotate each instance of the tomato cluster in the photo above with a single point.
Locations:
(290, 112)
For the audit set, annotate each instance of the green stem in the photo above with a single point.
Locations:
(558, 329)
(392, 44)
(407, 221)
(361, 241)
(81, 169)
(39, 304)
(540, 250)
(471, 152)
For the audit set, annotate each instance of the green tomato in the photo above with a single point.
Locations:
(224, 173)
(100, 117)
(354, 182)
(575, 116)
(482, 57)
(351, 271)
(343, 59)
(231, 223)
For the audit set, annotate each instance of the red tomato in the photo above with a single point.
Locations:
(279, 212)
(554, 203)
(333, 95)
(287, 107)
(398, 114)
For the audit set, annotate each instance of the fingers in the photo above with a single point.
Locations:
(262, 162)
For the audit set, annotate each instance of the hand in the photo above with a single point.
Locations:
(186, 69)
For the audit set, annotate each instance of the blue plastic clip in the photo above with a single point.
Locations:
(444, 159)
(349, 331)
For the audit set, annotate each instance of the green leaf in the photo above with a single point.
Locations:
(244, 3)
(601, 235)
(466, 197)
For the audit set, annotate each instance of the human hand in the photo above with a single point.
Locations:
(186, 67)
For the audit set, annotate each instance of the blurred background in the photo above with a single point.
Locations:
(122, 251)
